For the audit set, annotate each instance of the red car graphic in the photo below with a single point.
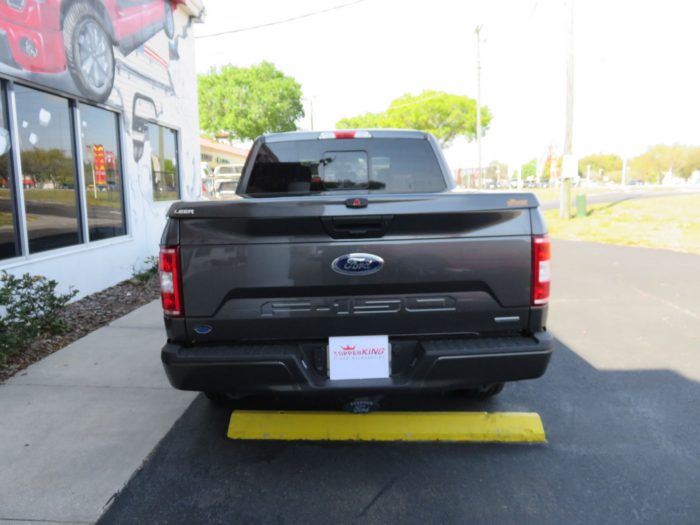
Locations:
(348, 348)
(50, 36)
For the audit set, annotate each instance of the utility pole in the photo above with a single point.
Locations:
(477, 31)
(311, 112)
(569, 168)
(520, 178)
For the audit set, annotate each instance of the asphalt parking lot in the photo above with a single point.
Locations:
(619, 404)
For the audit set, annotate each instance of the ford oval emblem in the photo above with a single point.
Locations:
(203, 329)
(357, 264)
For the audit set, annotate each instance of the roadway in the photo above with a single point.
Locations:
(619, 404)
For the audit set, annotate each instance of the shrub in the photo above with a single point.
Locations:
(29, 307)
(150, 270)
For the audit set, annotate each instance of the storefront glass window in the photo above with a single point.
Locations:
(48, 169)
(9, 246)
(164, 172)
(103, 173)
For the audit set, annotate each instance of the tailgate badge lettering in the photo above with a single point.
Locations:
(356, 202)
(357, 264)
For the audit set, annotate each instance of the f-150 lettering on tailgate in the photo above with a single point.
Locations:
(360, 306)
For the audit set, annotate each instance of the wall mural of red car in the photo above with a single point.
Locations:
(52, 36)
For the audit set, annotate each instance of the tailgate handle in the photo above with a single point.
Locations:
(357, 227)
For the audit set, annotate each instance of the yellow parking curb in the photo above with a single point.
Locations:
(520, 427)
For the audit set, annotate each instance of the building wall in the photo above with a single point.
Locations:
(215, 154)
(154, 84)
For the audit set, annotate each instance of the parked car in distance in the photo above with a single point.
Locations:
(228, 170)
(226, 188)
(223, 182)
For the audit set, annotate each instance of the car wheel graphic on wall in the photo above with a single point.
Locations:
(89, 52)
(169, 21)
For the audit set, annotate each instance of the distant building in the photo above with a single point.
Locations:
(213, 154)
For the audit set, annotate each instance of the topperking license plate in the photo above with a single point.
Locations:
(359, 357)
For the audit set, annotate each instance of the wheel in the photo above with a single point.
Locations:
(89, 52)
(483, 391)
(169, 21)
(220, 398)
(217, 398)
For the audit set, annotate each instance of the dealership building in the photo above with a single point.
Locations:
(99, 134)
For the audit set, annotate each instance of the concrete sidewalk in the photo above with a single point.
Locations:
(75, 426)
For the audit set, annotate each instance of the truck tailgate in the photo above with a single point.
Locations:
(262, 270)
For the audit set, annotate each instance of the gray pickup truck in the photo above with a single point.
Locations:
(350, 265)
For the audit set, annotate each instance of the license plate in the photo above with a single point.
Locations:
(359, 357)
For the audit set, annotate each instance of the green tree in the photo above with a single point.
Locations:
(444, 115)
(657, 160)
(603, 165)
(529, 170)
(607, 162)
(248, 101)
(45, 165)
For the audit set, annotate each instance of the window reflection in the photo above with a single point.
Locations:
(102, 170)
(164, 171)
(48, 169)
(9, 246)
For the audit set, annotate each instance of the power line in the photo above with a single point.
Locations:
(278, 22)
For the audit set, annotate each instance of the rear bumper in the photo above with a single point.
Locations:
(425, 364)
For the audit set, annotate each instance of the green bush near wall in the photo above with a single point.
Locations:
(29, 308)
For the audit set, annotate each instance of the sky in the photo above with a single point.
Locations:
(637, 82)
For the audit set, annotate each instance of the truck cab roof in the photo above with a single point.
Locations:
(374, 133)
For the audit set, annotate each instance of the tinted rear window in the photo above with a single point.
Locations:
(364, 165)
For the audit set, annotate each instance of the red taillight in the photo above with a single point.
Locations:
(170, 291)
(541, 269)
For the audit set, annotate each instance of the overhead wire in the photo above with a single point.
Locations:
(278, 22)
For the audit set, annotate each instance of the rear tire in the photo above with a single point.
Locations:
(219, 398)
(484, 391)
